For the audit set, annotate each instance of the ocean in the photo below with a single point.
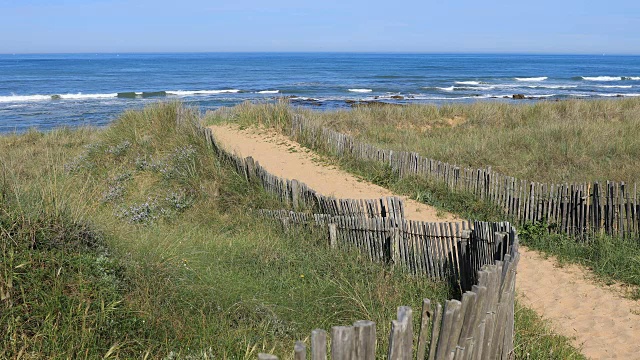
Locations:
(52, 90)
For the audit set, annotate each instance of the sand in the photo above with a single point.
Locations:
(602, 323)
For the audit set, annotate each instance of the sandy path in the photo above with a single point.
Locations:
(603, 324)
(287, 159)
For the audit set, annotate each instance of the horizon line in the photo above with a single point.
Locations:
(318, 52)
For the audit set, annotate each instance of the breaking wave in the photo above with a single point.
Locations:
(602, 78)
(540, 78)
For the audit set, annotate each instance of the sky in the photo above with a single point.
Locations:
(441, 26)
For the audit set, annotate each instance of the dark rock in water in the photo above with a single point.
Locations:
(505, 97)
(397, 97)
(619, 95)
(148, 94)
(56, 97)
(518, 96)
(128, 95)
(349, 101)
(376, 97)
(494, 97)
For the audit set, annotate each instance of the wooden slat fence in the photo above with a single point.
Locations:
(483, 257)
(579, 209)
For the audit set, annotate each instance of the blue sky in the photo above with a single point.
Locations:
(542, 26)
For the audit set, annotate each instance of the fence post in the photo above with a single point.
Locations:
(295, 196)
(318, 344)
(365, 340)
(333, 235)
(424, 328)
(300, 351)
(465, 236)
(396, 239)
(286, 224)
(342, 342)
(435, 331)
(502, 246)
(401, 336)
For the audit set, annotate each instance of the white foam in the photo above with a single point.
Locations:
(468, 82)
(619, 95)
(302, 98)
(540, 78)
(33, 98)
(81, 96)
(552, 86)
(450, 88)
(23, 98)
(636, 78)
(202, 92)
(269, 92)
(484, 88)
(615, 86)
(423, 97)
(602, 78)
(361, 90)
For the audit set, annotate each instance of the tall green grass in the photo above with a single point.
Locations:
(547, 141)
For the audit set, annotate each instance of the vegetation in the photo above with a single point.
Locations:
(136, 242)
(535, 340)
(565, 141)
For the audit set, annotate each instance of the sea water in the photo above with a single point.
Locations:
(51, 90)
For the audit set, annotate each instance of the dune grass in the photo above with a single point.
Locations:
(136, 242)
(565, 141)
(547, 141)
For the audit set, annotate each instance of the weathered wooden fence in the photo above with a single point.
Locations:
(578, 209)
(481, 257)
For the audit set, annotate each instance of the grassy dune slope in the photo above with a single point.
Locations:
(546, 141)
(563, 141)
